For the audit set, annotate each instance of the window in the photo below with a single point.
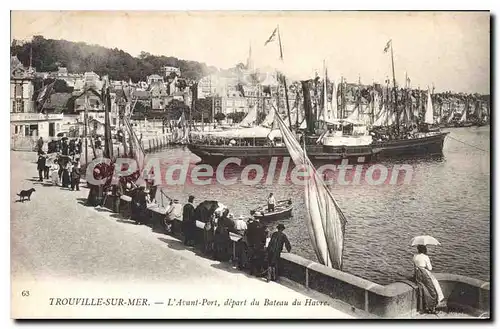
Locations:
(19, 90)
(19, 105)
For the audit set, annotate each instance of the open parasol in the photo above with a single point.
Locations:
(424, 240)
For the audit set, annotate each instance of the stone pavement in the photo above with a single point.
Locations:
(62, 249)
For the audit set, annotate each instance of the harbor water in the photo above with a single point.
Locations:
(448, 197)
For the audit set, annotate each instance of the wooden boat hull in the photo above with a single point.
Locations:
(283, 210)
(431, 144)
(275, 215)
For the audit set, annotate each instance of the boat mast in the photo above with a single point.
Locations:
(107, 124)
(342, 98)
(359, 96)
(373, 102)
(284, 81)
(85, 118)
(395, 90)
(297, 108)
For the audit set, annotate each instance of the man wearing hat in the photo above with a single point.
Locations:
(240, 226)
(139, 206)
(274, 249)
(173, 216)
(188, 222)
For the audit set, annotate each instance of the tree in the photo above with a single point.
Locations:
(219, 116)
(260, 117)
(236, 116)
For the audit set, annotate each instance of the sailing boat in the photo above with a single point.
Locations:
(334, 148)
(325, 220)
(464, 121)
(181, 131)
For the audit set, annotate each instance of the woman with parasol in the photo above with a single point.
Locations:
(430, 293)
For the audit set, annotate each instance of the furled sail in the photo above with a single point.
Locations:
(325, 220)
(135, 146)
(429, 111)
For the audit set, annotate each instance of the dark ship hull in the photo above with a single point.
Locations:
(423, 146)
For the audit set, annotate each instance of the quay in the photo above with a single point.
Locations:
(56, 238)
(62, 249)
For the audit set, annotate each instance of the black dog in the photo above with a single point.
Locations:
(25, 194)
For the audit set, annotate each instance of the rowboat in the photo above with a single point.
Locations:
(282, 210)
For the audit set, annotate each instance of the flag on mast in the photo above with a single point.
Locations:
(272, 37)
(387, 46)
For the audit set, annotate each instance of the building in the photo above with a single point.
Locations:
(159, 93)
(154, 78)
(92, 80)
(24, 121)
(21, 88)
(167, 70)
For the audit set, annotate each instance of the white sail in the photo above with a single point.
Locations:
(391, 118)
(452, 115)
(250, 118)
(325, 220)
(464, 116)
(268, 120)
(382, 117)
(429, 111)
(303, 124)
(354, 116)
(329, 113)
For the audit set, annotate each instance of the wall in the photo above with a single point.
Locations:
(399, 299)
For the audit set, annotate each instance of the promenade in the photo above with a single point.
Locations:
(62, 249)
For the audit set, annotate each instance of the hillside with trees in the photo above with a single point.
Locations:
(79, 57)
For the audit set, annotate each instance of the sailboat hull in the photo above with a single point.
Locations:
(431, 144)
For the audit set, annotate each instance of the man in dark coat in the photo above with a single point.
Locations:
(41, 166)
(256, 239)
(189, 222)
(139, 206)
(39, 145)
(274, 249)
(75, 178)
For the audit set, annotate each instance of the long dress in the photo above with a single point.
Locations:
(430, 292)
(188, 223)
(208, 237)
(221, 242)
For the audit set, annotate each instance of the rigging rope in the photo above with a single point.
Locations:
(465, 143)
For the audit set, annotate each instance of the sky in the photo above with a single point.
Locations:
(450, 50)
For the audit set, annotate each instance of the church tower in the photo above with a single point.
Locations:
(249, 59)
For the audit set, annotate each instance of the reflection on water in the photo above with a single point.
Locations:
(448, 197)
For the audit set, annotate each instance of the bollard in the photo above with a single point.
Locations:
(149, 145)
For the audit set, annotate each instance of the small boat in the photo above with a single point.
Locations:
(282, 210)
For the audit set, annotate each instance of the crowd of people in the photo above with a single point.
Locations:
(59, 161)
(257, 251)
